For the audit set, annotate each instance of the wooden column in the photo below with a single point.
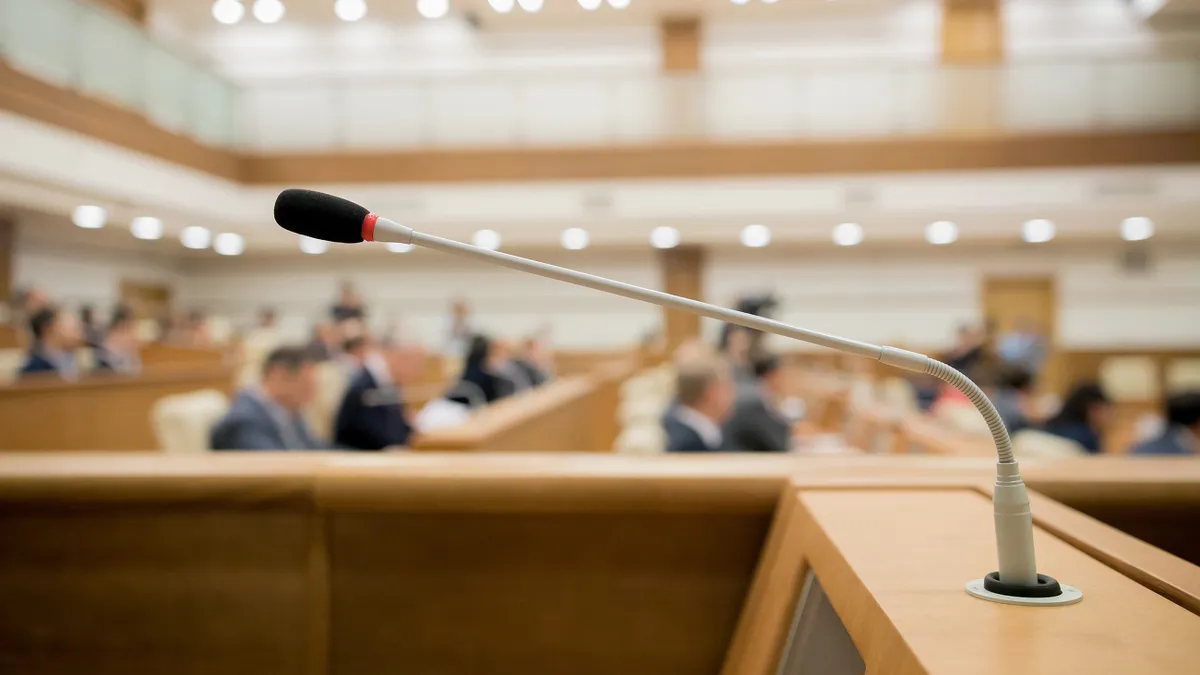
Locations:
(681, 87)
(972, 32)
(679, 38)
(8, 237)
(683, 274)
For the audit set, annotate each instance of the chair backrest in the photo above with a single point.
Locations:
(255, 349)
(332, 380)
(182, 422)
(961, 417)
(1129, 378)
(1032, 443)
(643, 439)
(898, 393)
(1183, 375)
(10, 363)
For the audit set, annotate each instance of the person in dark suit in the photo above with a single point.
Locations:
(1082, 418)
(56, 335)
(479, 383)
(1182, 434)
(532, 362)
(703, 397)
(269, 416)
(118, 352)
(756, 425)
(372, 415)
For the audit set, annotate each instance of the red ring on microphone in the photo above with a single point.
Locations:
(368, 228)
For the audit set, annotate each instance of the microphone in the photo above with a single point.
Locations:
(1016, 582)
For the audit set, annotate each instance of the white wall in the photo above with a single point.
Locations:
(74, 276)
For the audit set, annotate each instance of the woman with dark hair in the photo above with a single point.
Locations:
(1082, 418)
(478, 384)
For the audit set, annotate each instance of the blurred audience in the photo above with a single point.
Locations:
(1024, 346)
(56, 336)
(93, 334)
(1083, 417)
(1182, 433)
(325, 343)
(736, 349)
(267, 319)
(353, 353)
(117, 352)
(479, 383)
(534, 361)
(756, 423)
(269, 415)
(703, 398)
(1013, 397)
(373, 415)
(458, 330)
(348, 306)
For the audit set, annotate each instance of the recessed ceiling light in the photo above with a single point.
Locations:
(531, 6)
(1137, 229)
(756, 236)
(489, 239)
(574, 239)
(503, 6)
(769, 2)
(395, 247)
(618, 4)
(664, 237)
(1038, 230)
(591, 5)
(228, 243)
(847, 234)
(268, 11)
(941, 232)
(433, 9)
(350, 10)
(195, 237)
(313, 246)
(228, 12)
(740, 2)
(89, 216)
(146, 227)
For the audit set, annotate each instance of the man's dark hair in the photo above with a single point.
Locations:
(289, 358)
(353, 344)
(121, 316)
(41, 322)
(1183, 409)
(765, 365)
(1016, 377)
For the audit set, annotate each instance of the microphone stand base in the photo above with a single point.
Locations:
(1048, 592)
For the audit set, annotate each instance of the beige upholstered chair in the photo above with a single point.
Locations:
(332, 381)
(646, 439)
(11, 361)
(962, 417)
(182, 421)
(255, 349)
(148, 330)
(85, 359)
(220, 329)
(898, 393)
(1031, 443)
(1129, 378)
(1183, 375)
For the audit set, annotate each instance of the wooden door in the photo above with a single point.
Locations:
(1009, 301)
(148, 301)
(683, 274)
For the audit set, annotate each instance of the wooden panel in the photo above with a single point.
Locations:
(28, 96)
(480, 594)
(148, 301)
(679, 39)
(683, 275)
(972, 31)
(99, 412)
(134, 10)
(8, 237)
(908, 613)
(166, 355)
(1008, 301)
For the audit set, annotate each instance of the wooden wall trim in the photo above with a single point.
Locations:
(29, 97)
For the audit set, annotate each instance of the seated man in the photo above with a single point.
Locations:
(56, 336)
(118, 351)
(756, 424)
(703, 396)
(269, 416)
(1182, 435)
(372, 415)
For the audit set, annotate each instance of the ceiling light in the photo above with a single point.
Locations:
(574, 239)
(531, 6)
(769, 2)
(228, 12)
(941, 232)
(1037, 231)
(618, 4)
(591, 5)
(502, 6)
(740, 2)
(195, 237)
(350, 10)
(268, 11)
(89, 217)
(145, 227)
(313, 246)
(756, 236)
(228, 243)
(664, 237)
(1137, 229)
(847, 234)
(433, 9)
(489, 239)
(396, 247)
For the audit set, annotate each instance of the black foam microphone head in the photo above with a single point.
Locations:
(320, 216)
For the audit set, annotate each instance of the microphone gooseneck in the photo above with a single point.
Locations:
(1016, 582)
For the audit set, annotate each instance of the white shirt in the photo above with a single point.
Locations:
(378, 368)
(708, 430)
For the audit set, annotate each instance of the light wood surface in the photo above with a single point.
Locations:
(99, 412)
(972, 32)
(157, 354)
(682, 275)
(908, 613)
(680, 42)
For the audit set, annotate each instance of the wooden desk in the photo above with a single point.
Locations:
(157, 354)
(99, 412)
(923, 434)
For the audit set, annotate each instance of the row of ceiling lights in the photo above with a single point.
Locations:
(270, 11)
(1036, 231)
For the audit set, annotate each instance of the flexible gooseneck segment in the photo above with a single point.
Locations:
(1014, 522)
